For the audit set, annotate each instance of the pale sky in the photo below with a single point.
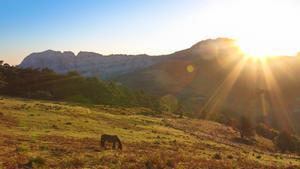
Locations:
(269, 27)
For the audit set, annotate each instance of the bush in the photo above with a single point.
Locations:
(34, 162)
(40, 94)
(217, 156)
(171, 164)
(246, 128)
(232, 122)
(169, 103)
(266, 131)
(21, 148)
(230, 157)
(287, 142)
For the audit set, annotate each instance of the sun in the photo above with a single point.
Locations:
(256, 49)
(265, 48)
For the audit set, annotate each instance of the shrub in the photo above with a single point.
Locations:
(232, 122)
(38, 161)
(34, 162)
(40, 94)
(246, 128)
(266, 131)
(149, 165)
(68, 123)
(230, 157)
(287, 142)
(169, 103)
(171, 164)
(217, 156)
(22, 148)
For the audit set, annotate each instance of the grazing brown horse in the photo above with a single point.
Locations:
(111, 139)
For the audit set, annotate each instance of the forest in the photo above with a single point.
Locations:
(71, 87)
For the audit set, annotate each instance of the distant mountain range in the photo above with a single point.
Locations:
(89, 63)
(110, 66)
(211, 77)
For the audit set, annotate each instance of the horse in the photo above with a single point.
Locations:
(111, 139)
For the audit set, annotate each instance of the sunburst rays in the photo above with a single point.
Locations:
(277, 101)
(218, 98)
(271, 101)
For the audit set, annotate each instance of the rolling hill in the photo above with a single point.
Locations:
(43, 134)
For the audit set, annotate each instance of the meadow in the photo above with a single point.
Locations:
(45, 134)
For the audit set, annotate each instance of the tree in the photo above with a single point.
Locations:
(246, 128)
(286, 142)
(6, 65)
(2, 82)
(46, 84)
(169, 103)
(179, 110)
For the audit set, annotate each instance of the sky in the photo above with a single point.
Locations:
(154, 27)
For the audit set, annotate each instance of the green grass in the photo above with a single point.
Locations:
(41, 134)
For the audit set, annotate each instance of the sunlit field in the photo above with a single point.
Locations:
(39, 134)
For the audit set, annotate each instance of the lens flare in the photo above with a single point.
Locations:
(190, 68)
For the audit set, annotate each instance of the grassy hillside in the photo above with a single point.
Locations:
(40, 134)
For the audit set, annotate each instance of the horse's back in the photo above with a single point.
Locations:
(109, 137)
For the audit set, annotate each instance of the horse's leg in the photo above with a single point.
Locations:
(114, 145)
(102, 143)
(120, 146)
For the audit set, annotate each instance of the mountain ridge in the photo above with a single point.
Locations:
(109, 66)
(88, 63)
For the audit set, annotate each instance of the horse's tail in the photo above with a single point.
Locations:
(119, 142)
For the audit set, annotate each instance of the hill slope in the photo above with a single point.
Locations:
(43, 134)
